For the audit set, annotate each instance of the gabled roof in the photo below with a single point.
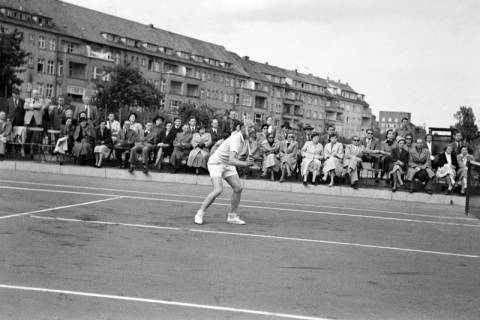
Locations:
(342, 86)
(88, 24)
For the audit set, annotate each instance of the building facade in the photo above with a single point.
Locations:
(71, 46)
(392, 119)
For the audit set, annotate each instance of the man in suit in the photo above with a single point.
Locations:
(13, 103)
(57, 113)
(192, 125)
(89, 109)
(352, 161)
(177, 125)
(229, 123)
(144, 146)
(215, 131)
(433, 149)
(371, 147)
(458, 142)
(325, 138)
(34, 108)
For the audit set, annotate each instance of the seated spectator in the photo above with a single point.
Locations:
(144, 145)
(386, 148)
(333, 155)
(125, 140)
(458, 142)
(56, 114)
(352, 161)
(165, 144)
(181, 147)
(288, 151)
(420, 167)
(201, 142)
(408, 145)
(270, 160)
(134, 125)
(5, 131)
(312, 153)
(447, 164)
(103, 144)
(84, 137)
(66, 141)
(371, 153)
(262, 135)
(462, 160)
(405, 128)
(113, 125)
(400, 157)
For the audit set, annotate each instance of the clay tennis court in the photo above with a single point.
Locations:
(92, 248)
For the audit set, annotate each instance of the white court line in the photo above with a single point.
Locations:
(59, 208)
(239, 234)
(243, 200)
(162, 302)
(261, 207)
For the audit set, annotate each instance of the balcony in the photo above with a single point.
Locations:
(98, 53)
(261, 87)
(193, 91)
(260, 102)
(333, 108)
(77, 70)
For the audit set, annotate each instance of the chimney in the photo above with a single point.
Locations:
(246, 58)
(328, 78)
(151, 26)
(296, 72)
(266, 63)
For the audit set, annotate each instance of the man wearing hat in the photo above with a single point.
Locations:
(283, 132)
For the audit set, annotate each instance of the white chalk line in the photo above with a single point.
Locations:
(262, 236)
(243, 200)
(161, 302)
(259, 207)
(59, 208)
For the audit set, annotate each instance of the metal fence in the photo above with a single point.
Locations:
(472, 204)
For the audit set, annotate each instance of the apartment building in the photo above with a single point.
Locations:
(392, 119)
(71, 46)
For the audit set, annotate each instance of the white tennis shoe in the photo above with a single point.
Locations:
(199, 217)
(234, 219)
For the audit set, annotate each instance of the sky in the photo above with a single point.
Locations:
(418, 56)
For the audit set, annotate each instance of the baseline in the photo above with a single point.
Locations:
(162, 302)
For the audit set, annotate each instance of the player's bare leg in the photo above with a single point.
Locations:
(217, 190)
(236, 184)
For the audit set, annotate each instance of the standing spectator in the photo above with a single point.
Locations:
(177, 125)
(420, 167)
(386, 148)
(84, 137)
(229, 124)
(458, 142)
(333, 153)
(404, 128)
(90, 110)
(201, 142)
(16, 114)
(305, 136)
(325, 139)
(352, 161)
(262, 135)
(113, 125)
(165, 144)
(462, 159)
(57, 118)
(215, 132)
(312, 153)
(181, 147)
(400, 157)
(270, 160)
(34, 109)
(288, 151)
(192, 125)
(271, 127)
(5, 131)
(144, 145)
(447, 166)
(134, 125)
(66, 141)
(433, 149)
(103, 144)
(408, 142)
(283, 132)
(125, 141)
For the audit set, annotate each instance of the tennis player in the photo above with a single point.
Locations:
(221, 165)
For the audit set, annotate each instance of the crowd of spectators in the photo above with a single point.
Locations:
(278, 152)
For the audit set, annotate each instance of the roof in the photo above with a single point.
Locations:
(342, 86)
(88, 24)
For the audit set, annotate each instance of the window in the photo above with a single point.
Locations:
(389, 119)
(144, 62)
(237, 98)
(258, 118)
(208, 93)
(163, 83)
(30, 61)
(41, 88)
(50, 67)
(116, 58)
(202, 93)
(383, 119)
(52, 44)
(156, 66)
(41, 42)
(60, 68)
(41, 65)
(247, 100)
(31, 38)
(315, 114)
(49, 90)
(230, 98)
(69, 47)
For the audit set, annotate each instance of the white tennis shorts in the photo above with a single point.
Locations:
(221, 170)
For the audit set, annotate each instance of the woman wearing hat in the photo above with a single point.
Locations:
(312, 153)
(399, 163)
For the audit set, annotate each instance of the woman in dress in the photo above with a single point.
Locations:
(399, 163)
(288, 156)
(333, 153)
(270, 161)
(447, 166)
(201, 142)
(312, 153)
(103, 144)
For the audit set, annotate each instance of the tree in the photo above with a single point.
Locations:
(124, 85)
(466, 123)
(12, 57)
(203, 113)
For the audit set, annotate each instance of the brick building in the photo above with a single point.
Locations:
(70, 46)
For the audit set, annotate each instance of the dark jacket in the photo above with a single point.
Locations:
(400, 155)
(168, 139)
(216, 136)
(106, 137)
(16, 114)
(442, 159)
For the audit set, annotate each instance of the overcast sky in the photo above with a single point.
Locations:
(417, 56)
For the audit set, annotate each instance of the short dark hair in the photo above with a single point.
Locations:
(332, 136)
(176, 118)
(369, 130)
(136, 117)
(264, 126)
(405, 118)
